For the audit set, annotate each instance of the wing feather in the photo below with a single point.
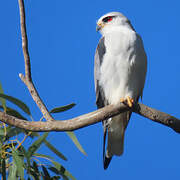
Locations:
(101, 101)
(100, 51)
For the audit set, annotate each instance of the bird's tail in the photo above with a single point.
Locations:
(115, 127)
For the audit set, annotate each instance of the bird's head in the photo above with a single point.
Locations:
(111, 20)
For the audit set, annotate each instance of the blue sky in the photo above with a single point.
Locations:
(62, 42)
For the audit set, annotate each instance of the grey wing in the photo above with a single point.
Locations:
(100, 97)
(100, 51)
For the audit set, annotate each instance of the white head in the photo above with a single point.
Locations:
(111, 20)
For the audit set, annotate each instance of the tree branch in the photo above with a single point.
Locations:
(27, 79)
(92, 118)
(25, 41)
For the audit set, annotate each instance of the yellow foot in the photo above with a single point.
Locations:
(129, 101)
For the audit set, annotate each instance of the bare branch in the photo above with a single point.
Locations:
(92, 118)
(27, 79)
(158, 116)
(24, 41)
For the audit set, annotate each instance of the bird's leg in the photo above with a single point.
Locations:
(129, 101)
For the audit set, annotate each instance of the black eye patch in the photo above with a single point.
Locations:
(108, 19)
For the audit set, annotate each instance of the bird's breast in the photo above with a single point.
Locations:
(118, 71)
(118, 43)
(114, 77)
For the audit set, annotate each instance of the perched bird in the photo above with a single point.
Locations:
(119, 73)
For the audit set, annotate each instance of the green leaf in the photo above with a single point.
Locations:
(62, 108)
(23, 151)
(17, 102)
(43, 156)
(10, 132)
(1, 145)
(12, 172)
(56, 171)
(61, 170)
(36, 144)
(3, 101)
(35, 167)
(54, 150)
(46, 174)
(33, 134)
(55, 177)
(13, 112)
(2, 133)
(19, 163)
(3, 166)
(33, 173)
(76, 142)
(13, 132)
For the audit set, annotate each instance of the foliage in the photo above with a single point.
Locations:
(18, 161)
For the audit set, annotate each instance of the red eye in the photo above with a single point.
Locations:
(108, 19)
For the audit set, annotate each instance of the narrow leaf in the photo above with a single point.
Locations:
(45, 171)
(35, 167)
(54, 150)
(13, 112)
(36, 144)
(56, 171)
(3, 165)
(2, 133)
(76, 142)
(19, 163)
(62, 108)
(55, 177)
(13, 132)
(12, 172)
(43, 156)
(10, 132)
(32, 172)
(3, 101)
(23, 151)
(33, 134)
(62, 170)
(17, 102)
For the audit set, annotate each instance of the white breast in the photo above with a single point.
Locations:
(123, 68)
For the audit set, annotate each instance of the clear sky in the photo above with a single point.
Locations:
(62, 41)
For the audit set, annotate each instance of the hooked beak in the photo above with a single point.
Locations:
(99, 26)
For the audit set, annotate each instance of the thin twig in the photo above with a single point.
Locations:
(25, 137)
(25, 41)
